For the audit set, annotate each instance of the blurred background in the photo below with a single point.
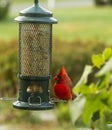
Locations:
(84, 27)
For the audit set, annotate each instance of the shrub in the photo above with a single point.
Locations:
(110, 2)
(74, 55)
(8, 68)
(95, 98)
(101, 2)
(4, 8)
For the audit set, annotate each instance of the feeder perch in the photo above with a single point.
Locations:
(35, 58)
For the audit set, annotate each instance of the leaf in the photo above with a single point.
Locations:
(92, 105)
(107, 53)
(84, 77)
(96, 115)
(106, 68)
(102, 82)
(97, 60)
(83, 89)
(86, 90)
(102, 125)
(110, 98)
(76, 108)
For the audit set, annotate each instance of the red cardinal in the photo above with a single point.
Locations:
(63, 85)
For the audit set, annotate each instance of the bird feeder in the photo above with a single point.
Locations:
(35, 57)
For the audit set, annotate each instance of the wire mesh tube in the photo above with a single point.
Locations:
(34, 49)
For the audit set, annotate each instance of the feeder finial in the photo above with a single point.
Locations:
(36, 1)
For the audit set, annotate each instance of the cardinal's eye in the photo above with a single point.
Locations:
(59, 77)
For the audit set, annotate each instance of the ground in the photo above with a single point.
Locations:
(42, 126)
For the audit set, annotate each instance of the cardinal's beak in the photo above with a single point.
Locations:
(55, 78)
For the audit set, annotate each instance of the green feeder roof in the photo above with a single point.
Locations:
(36, 14)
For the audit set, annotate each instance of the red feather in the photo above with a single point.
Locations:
(63, 85)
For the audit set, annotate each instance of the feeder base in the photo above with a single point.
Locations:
(27, 106)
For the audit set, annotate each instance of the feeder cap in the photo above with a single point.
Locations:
(36, 14)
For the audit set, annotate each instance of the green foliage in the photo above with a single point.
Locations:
(97, 93)
(4, 8)
(97, 60)
(8, 68)
(84, 77)
(107, 53)
(76, 107)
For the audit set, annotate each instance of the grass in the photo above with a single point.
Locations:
(84, 23)
(74, 23)
(8, 29)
